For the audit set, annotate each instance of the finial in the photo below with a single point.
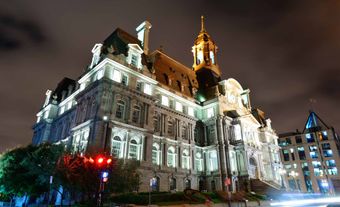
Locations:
(202, 24)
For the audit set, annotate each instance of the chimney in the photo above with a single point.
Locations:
(143, 35)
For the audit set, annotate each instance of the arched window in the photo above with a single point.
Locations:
(156, 154)
(185, 159)
(134, 148)
(199, 161)
(171, 157)
(136, 114)
(120, 111)
(170, 127)
(172, 182)
(117, 146)
(187, 183)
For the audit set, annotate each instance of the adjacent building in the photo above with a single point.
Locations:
(186, 126)
(311, 157)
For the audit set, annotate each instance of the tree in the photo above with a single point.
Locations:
(27, 170)
(125, 177)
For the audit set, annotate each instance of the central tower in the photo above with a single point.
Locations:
(205, 63)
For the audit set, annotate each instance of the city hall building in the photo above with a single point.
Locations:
(186, 126)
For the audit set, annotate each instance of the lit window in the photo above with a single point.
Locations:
(147, 89)
(191, 111)
(211, 53)
(301, 152)
(100, 74)
(117, 76)
(120, 109)
(199, 162)
(179, 107)
(134, 150)
(165, 101)
(199, 57)
(62, 110)
(310, 138)
(155, 154)
(134, 60)
(213, 165)
(171, 157)
(117, 147)
(185, 160)
(210, 112)
(69, 105)
(285, 155)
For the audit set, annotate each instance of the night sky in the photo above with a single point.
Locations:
(286, 52)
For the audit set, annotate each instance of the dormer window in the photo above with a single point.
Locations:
(134, 60)
(134, 55)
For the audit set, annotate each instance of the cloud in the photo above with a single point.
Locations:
(16, 32)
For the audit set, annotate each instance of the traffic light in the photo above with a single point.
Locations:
(102, 161)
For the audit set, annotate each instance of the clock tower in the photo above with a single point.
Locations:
(205, 63)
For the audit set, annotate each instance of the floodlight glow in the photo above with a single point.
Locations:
(305, 202)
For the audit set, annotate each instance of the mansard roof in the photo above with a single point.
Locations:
(314, 123)
(117, 42)
(65, 84)
(173, 74)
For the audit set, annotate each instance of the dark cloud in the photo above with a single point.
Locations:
(16, 32)
(285, 51)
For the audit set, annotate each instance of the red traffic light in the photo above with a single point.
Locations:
(108, 161)
(100, 160)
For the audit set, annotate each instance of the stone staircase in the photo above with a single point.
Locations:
(265, 187)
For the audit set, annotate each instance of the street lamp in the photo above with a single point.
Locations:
(294, 175)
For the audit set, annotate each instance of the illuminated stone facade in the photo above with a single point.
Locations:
(311, 158)
(186, 126)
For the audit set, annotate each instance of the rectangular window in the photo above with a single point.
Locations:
(298, 139)
(210, 112)
(190, 111)
(313, 151)
(124, 80)
(285, 155)
(133, 151)
(179, 107)
(198, 164)
(292, 153)
(117, 76)
(310, 138)
(165, 101)
(147, 89)
(301, 151)
(139, 86)
(326, 148)
(330, 163)
(134, 60)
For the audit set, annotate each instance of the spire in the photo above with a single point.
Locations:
(202, 24)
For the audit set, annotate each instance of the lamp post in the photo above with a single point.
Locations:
(294, 175)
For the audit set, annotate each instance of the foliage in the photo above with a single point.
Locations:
(27, 170)
(125, 177)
